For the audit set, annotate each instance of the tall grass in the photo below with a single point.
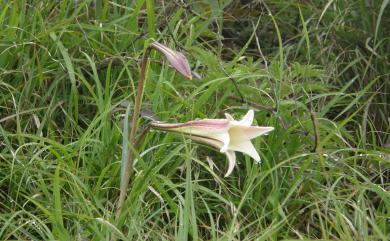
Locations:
(317, 71)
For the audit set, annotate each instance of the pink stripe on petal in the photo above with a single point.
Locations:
(210, 125)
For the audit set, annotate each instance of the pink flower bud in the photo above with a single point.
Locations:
(177, 60)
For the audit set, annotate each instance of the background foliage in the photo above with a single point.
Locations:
(318, 71)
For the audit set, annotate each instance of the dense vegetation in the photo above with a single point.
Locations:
(318, 71)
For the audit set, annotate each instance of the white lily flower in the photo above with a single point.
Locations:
(227, 135)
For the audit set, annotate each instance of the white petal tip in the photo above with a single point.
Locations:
(232, 162)
(248, 118)
(256, 157)
(229, 171)
(268, 129)
(258, 160)
(261, 130)
(229, 117)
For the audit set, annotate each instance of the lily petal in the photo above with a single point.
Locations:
(229, 117)
(245, 147)
(210, 142)
(247, 119)
(241, 133)
(232, 162)
(213, 129)
(224, 138)
(197, 127)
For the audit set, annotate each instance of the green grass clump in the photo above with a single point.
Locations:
(316, 71)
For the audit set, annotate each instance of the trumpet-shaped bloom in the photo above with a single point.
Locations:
(227, 135)
(176, 59)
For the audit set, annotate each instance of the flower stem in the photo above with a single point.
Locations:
(133, 132)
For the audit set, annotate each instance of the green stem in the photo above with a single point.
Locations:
(132, 135)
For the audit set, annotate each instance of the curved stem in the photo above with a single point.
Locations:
(133, 132)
